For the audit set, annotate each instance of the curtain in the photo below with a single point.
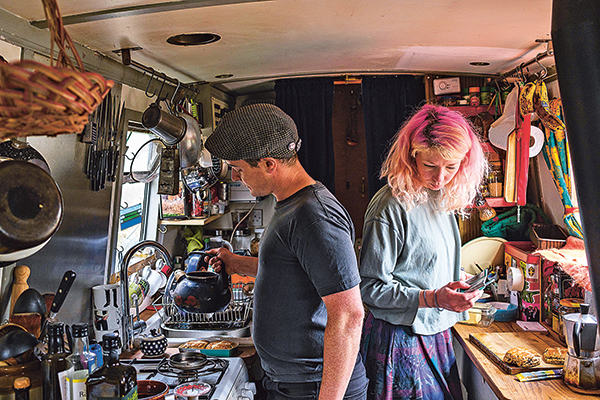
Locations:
(387, 102)
(310, 104)
(556, 155)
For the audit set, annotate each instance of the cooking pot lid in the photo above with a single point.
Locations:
(30, 205)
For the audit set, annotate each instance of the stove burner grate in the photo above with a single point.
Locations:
(210, 366)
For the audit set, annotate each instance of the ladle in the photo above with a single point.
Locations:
(30, 301)
(15, 343)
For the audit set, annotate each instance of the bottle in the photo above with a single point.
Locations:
(83, 362)
(112, 380)
(474, 99)
(485, 211)
(21, 388)
(55, 364)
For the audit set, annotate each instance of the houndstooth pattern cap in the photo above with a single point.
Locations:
(254, 132)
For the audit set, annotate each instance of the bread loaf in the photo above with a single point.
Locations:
(554, 355)
(194, 344)
(522, 357)
(220, 345)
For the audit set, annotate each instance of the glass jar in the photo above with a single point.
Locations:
(474, 93)
(567, 306)
(481, 314)
(486, 95)
(495, 179)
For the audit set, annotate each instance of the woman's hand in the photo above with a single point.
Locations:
(450, 298)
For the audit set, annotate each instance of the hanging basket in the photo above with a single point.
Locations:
(39, 99)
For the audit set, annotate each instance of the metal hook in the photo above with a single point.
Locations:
(148, 86)
(163, 231)
(174, 93)
(544, 72)
(161, 88)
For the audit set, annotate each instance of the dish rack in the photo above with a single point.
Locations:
(233, 321)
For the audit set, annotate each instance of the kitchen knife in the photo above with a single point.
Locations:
(61, 293)
(59, 298)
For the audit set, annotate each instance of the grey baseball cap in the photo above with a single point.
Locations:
(254, 132)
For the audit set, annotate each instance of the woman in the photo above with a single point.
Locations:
(410, 257)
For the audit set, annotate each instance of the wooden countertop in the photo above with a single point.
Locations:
(505, 386)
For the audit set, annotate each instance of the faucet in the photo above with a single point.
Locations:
(127, 319)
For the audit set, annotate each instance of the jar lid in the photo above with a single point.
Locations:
(79, 330)
(21, 383)
(486, 88)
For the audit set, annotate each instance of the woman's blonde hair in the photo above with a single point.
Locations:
(436, 129)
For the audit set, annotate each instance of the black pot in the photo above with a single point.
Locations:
(203, 292)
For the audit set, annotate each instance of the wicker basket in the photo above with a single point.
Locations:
(37, 99)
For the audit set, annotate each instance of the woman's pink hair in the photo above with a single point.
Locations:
(436, 129)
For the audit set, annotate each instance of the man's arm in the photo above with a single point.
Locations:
(342, 341)
(233, 263)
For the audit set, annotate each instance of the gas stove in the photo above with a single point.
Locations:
(227, 376)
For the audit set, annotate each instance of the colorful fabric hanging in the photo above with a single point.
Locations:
(556, 154)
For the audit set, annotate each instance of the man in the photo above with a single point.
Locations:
(308, 311)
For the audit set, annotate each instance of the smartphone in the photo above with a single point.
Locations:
(480, 281)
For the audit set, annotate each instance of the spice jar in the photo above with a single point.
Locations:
(485, 211)
(474, 93)
(486, 95)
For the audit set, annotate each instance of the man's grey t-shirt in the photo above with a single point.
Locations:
(307, 252)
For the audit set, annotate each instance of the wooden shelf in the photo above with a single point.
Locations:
(498, 202)
(189, 222)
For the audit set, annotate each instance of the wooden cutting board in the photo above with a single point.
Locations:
(495, 345)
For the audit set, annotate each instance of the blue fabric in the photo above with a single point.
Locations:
(306, 253)
(387, 102)
(309, 101)
(400, 363)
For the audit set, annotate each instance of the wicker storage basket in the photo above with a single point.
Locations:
(37, 99)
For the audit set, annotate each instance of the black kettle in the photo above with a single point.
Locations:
(203, 291)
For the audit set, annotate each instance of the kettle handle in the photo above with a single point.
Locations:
(576, 338)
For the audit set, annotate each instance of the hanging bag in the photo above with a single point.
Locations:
(514, 224)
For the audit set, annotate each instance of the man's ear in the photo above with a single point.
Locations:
(270, 164)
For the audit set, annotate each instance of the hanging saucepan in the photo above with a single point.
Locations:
(30, 203)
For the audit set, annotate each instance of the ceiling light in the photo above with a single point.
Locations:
(193, 39)
(479, 63)
(223, 76)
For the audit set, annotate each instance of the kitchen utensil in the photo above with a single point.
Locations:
(583, 358)
(30, 301)
(15, 343)
(15, 149)
(581, 332)
(187, 361)
(20, 275)
(151, 390)
(154, 345)
(32, 206)
(203, 292)
(59, 298)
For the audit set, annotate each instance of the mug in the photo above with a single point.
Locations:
(155, 279)
(107, 296)
(107, 321)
